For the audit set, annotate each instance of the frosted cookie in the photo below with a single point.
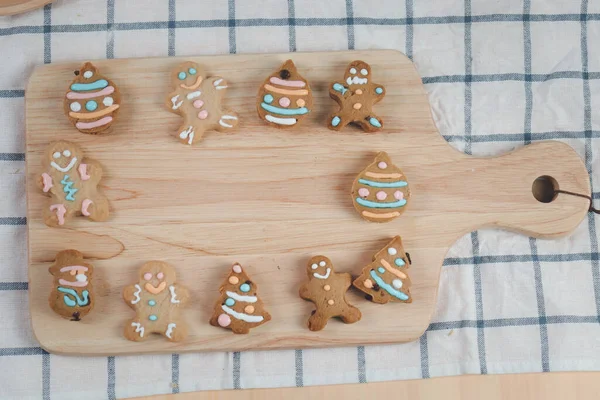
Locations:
(72, 295)
(284, 98)
(356, 95)
(157, 300)
(199, 100)
(239, 307)
(92, 101)
(386, 278)
(327, 290)
(71, 182)
(380, 192)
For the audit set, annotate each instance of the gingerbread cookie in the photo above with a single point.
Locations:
(327, 290)
(71, 182)
(199, 100)
(72, 294)
(93, 100)
(239, 307)
(386, 278)
(156, 300)
(284, 98)
(356, 96)
(380, 192)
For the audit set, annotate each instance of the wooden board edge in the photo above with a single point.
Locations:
(23, 7)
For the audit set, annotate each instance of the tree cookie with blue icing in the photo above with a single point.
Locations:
(72, 294)
(356, 95)
(284, 98)
(380, 192)
(92, 101)
(386, 278)
(157, 300)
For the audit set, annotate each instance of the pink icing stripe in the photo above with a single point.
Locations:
(74, 267)
(83, 172)
(47, 182)
(281, 82)
(84, 207)
(94, 124)
(104, 92)
(71, 283)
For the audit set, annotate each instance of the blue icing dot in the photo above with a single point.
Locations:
(151, 303)
(379, 90)
(229, 302)
(268, 98)
(335, 121)
(381, 270)
(181, 75)
(373, 121)
(399, 262)
(192, 71)
(245, 287)
(91, 105)
(152, 317)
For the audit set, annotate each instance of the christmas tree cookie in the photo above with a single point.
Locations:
(386, 278)
(239, 307)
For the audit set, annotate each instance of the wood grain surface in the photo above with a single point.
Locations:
(270, 199)
(11, 7)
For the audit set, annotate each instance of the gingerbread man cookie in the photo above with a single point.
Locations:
(72, 294)
(386, 278)
(199, 100)
(239, 307)
(93, 100)
(327, 290)
(356, 96)
(71, 182)
(156, 300)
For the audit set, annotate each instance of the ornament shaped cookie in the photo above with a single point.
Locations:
(71, 181)
(239, 307)
(327, 290)
(356, 95)
(92, 102)
(284, 98)
(157, 300)
(199, 100)
(72, 295)
(386, 278)
(380, 192)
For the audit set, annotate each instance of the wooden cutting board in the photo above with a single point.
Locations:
(11, 7)
(270, 199)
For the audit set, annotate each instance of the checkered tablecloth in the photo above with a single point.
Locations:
(500, 75)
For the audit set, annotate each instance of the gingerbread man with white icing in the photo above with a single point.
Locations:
(199, 100)
(72, 184)
(327, 290)
(156, 299)
(356, 96)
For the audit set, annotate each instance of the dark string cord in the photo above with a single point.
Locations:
(591, 209)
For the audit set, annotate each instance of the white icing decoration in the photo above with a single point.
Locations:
(175, 104)
(188, 133)
(67, 153)
(357, 81)
(364, 71)
(88, 74)
(225, 125)
(137, 294)
(322, 264)
(239, 297)
(314, 266)
(280, 121)
(75, 106)
(170, 328)
(218, 81)
(139, 328)
(352, 70)
(397, 283)
(173, 295)
(56, 154)
(193, 95)
(319, 276)
(242, 316)
(65, 169)
(392, 251)
(108, 101)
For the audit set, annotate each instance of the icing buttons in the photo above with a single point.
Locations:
(244, 287)
(88, 74)
(75, 106)
(392, 251)
(91, 105)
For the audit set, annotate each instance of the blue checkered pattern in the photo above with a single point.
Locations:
(499, 75)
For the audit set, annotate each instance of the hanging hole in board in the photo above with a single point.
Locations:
(544, 189)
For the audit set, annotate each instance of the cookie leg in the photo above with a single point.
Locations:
(228, 120)
(55, 215)
(95, 210)
(337, 122)
(371, 123)
(186, 134)
(317, 321)
(134, 330)
(176, 332)
(351, 315)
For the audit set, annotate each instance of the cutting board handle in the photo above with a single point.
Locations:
(510, 181)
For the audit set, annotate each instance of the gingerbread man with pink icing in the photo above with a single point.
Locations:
(199, 100)
(71, 182)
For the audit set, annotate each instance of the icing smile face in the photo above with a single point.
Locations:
(156, 279)
(188, 76)
(63, 156)
(358, 73)
(74, 276)
(319, 267)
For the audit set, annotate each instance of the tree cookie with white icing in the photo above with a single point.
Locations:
(72, 294)
(92, 101)
(327, 290)
(157, 301)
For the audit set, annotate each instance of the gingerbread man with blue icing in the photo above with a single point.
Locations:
(356, 95)
(199, 100)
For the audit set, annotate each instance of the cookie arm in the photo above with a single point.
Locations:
(182, 293)
(128, 294)
(304, 292)
(218, 83)
(338, 91)
(378, 91)
(44, 182)
(90, 171)
(174, 101)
